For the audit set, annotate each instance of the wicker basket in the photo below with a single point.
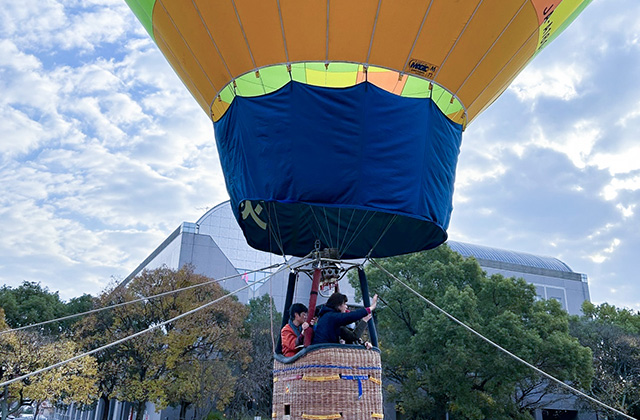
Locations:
(328, 382)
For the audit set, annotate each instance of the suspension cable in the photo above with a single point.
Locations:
(502, 349)
(170, 292)
(139, 333)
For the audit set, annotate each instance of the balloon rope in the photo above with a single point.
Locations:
(272, 234)
(502, 349)
(284, 38)
(358, 230)
(340, 248)
(326, 221)
(373, 32)
(415, 40)
(139, 333)
(473, 70)
(318, 224)
(393, 219)
(144, 298)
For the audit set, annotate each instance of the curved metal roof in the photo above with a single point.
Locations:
(511, 257)
(220, 223)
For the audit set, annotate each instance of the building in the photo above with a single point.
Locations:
(215, 247)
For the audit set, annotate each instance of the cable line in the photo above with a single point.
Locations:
(502, 349)
(139, 333)
(170, 292)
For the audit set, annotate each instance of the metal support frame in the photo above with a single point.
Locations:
(364, 288)
(291, 287)
(313, 298)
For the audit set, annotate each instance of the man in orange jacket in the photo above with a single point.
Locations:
(292, 336)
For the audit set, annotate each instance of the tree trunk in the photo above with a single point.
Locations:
(183, 409)
(106, 406)
(141, 407)
(35, 415)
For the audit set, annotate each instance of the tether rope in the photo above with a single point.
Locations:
(144, 298)
(122, 340)
(502, 349)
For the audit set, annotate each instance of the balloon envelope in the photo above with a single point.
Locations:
(339, 121)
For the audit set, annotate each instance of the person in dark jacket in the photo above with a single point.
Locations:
(334, 314)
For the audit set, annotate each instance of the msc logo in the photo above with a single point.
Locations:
(422, 68)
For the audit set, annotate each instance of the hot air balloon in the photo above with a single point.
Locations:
(339, 122)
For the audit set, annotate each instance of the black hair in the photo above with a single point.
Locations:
(296, 308)
(335, 300)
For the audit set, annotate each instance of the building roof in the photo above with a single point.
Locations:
(511, 257)
(220, 223)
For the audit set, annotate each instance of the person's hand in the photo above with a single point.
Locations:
(374, 302)
(305, 325)
(314, 320)
(368, 345)
(367, 318)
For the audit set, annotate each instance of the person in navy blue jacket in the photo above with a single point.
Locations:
(334, 314)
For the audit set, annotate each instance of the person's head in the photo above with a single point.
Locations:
(298, 313)
(337, 301)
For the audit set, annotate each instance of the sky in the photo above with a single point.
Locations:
(103, 152)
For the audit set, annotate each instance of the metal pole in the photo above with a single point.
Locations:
(313, 298)
(291, 287)
(364, 288)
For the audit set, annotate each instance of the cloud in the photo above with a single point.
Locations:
(559, 81)
(49, 25)
(101, 157)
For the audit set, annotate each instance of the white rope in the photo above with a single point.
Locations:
(502, 349)
(170, 292)
(122, 340)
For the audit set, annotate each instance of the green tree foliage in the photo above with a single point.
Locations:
(254, 388)
(190, 362)
(31, 303)
(613, 335)
(434, 366)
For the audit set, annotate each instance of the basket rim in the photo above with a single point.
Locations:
(286, 360)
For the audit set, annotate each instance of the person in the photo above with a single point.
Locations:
(334, 315)
(291, 335)
(350, 335)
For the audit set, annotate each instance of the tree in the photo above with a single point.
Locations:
(433, 366)
(188, 362)
(25, 352)
(73, 382)
(613, 335)
(254, 389)
(31, 303)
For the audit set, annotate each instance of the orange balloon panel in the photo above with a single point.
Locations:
(463, 54)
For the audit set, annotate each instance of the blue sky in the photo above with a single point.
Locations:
(103, 152)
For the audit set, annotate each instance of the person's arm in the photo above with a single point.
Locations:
(300, 338)
(353, 316)
(349, 317)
